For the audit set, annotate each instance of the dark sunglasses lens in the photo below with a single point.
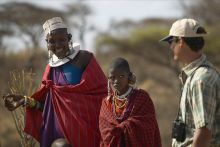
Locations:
(170, 41)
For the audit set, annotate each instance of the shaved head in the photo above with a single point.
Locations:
(120, 63)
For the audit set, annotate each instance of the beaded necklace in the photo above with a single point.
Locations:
(54, 61)
(122, 98)
(117, 105)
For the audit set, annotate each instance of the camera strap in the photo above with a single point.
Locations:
(203, 65)
(179, 116)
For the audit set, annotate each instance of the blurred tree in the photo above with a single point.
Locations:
(4, 31)
(141, 41)
(207, 11)
(25, 20)
(122, 28)
(78, 14)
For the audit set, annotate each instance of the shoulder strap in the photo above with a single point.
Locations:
(203, 65)
(178, 114)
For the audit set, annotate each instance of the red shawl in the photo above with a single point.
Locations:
(77, 107)
(140, 129)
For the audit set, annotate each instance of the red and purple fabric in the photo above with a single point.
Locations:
(76, 107)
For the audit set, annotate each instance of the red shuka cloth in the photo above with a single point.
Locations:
(77, 106)
(140, 129)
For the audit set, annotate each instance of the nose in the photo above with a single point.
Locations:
(171, 46)
(58, 44)
(115, 81)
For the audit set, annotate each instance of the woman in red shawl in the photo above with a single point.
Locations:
(65, 110)
(127, 117)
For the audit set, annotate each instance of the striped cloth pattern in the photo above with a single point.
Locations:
(77, 107)
(200, 101)
(140, 129)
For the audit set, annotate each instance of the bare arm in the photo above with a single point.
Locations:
(202, 137)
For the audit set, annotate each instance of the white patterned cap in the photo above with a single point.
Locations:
(53, 24)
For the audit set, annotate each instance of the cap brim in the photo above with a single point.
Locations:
(167, 38)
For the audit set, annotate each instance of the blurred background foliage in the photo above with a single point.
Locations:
(137, 41)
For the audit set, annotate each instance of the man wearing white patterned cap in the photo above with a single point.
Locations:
(65, 110)
(198, 119)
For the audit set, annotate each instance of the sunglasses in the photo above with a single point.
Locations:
(173, 39)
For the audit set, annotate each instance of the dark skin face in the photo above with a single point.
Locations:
(58, 43)
(119, 80)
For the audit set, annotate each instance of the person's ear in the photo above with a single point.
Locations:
(130, 76)
(132, 79)
(69, 36)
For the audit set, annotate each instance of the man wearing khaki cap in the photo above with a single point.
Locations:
(198, 120)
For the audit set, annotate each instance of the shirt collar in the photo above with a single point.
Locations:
(190, 68)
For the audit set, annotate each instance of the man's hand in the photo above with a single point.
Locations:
(13, 101)
(202, 137)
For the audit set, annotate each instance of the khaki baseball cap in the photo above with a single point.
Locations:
(184, 28)
(53, 24)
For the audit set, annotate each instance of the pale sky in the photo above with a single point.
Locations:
(107, 10)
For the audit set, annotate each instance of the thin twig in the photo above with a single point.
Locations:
(21, 83)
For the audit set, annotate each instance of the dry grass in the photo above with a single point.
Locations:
(165, 102)
(21, 82)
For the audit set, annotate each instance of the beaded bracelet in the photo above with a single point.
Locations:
(29, 102)
(25, 100)
(32, 103)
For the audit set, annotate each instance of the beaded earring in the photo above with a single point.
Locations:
(50, 54)
(70, 44)
(132, 80)
(109, 90)
(70, 41)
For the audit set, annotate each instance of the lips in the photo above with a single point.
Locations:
(116, 86)
(59, 50)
